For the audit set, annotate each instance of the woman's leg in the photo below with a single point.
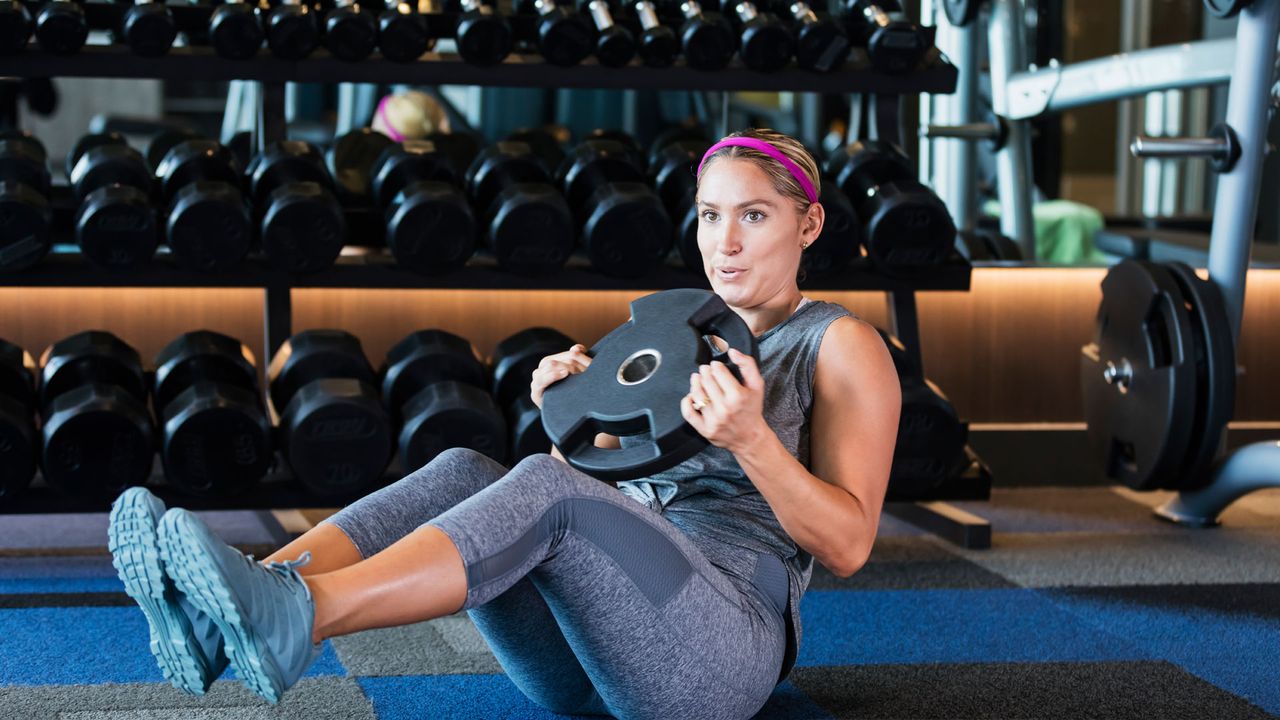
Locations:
(517, 625)
(659, 630)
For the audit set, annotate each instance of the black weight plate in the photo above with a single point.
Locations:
(1215, 370)
(638, 375)
(961, 12)
(1139, 429)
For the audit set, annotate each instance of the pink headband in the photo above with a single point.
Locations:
(771, 151)
(391, 129)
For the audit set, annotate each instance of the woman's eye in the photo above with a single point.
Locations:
(710, 215)
(754, 216)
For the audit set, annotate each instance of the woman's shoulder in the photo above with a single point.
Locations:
(849, 345)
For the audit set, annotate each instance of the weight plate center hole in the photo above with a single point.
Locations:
(639, 366)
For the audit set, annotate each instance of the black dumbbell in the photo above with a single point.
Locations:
(98, 436)
(658, 43)
(764, 43)
(460, 147)
(166, 140)
(300, 223)
(615, 45)
(822, 45)
(402, 32)
(626, 139)
(148, 28)
(483, 37)
(931, 437)
(706, 38)
(15, 26)
(841, 235)
(527, 224)
(514, 360)
(350, 30)
(624, 226)
(544, 143)
(907, 228)
(433, 385)
(565, 37)
(216, 436)
(19, 441)
(292, 30)
(25, 216)
(61, 28)
(333, 431)
(980, 244)
(429, 227)
(208, 227)
(893, 42)
(235, 30)
(115, 220)
(672, 171)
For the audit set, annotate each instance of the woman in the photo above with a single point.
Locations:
(670, 596)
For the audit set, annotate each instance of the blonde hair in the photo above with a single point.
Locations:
(412, 114)
(783, 181)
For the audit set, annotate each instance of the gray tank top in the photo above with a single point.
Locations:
(710, 498)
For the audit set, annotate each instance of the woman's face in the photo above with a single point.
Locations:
(749, 234)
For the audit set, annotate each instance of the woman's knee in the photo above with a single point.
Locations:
(464, 462)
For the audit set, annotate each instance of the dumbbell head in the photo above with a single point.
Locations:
(313, 355)
(840, 238)
(821, 46)
(284, 162)
(351, 159)
(202, 355)
(530, 229)
(350, 32)
(216, 436)
(98, 440)
(673, 172)
(336, 436)
(658, 47)
(291, 31)
(148, 28)
(930, 443)
(303, 228)
(195, 159)
(626, 139)
(426, 357)
(101, 160)
(18, 438)
(565, 38)
(483, 39)
(527, 437)
(894, 47)
(766, 45)
(25, 216)
(460, 147)
(88, 357)
(517, 356)
(673, 134)
(708, 43)
(235, 30)
(15, 27)
(116, 226)
(592, 163)
(402, 37)
(412, 161)
(615, 46)
(502, 164)
(451, 414)
(165, 141)
(61, 28)
(209, 229)
(544, 143)
(430, 227)
(626, 231)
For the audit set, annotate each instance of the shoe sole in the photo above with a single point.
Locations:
(135, 554)
(193, 569)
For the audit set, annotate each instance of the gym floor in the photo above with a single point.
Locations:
(1085, 607)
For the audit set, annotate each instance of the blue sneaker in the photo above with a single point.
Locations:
(185, 641)
(265, 612)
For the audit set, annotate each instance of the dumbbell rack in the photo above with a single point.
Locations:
(65, 267)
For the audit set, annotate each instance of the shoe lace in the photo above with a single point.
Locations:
(285, 572)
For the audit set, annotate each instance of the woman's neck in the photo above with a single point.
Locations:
(763, 317)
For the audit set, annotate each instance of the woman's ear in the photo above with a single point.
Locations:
(814, 218)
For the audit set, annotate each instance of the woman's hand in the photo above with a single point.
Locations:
(555, 368)
(726, 412)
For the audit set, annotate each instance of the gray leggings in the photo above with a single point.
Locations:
(593, 603)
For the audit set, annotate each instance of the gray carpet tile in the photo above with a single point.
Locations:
(1258, 601)
(1071, 691)
(1060, 509)
(910, 563)
(1186, 556)
(449, 645)
(1260, 509)
(88, 531)
(310, 699)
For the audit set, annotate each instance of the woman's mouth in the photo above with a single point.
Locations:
(729, 273)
